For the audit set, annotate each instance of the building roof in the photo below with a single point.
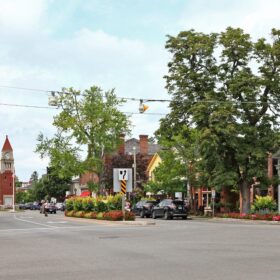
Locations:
(152, 161)
(133, 142)
(7, 146)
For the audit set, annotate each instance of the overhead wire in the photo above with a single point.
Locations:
(138, 99)
(56, 108)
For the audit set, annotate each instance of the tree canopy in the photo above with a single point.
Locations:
(88, 126)
(225, 103)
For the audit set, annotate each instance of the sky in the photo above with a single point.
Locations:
(49, 44)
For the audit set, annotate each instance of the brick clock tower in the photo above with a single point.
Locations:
(6, 174)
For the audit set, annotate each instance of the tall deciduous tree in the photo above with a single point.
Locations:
(89, 121)
(225, 86)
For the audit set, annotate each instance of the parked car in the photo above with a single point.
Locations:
(21, 206)
(35, 206)
(27, 205)
(49, 207)
(144, 208)
(60, 206)
(169, 208)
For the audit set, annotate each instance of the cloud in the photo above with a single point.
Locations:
(21, 15)
(87, 58)
(256, 17)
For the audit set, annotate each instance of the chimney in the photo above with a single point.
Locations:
(143, 144)
(122, 145)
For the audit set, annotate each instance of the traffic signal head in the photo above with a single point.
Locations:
(142, 107)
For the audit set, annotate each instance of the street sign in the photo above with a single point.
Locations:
(213, 192)
(123, 174)
(117, 181)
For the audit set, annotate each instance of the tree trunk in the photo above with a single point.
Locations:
(245, 197)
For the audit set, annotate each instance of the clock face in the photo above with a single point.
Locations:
(7, 155)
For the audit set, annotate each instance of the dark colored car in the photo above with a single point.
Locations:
(143, 208)
(28, 205)
(49, 207)
(35, 206)
(169, 208)
(21, 206)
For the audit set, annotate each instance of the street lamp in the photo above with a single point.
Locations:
(134, 167)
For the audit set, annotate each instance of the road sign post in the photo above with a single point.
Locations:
(122, 184)
(123, 193)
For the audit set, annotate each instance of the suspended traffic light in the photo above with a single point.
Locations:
(142, 107)
(53, 99)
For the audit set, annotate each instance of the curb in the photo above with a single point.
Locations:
(239, 221)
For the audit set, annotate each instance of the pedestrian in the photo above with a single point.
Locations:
(127, 206)
(45, 209)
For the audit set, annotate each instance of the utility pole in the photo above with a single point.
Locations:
(278, 172)
(134, 167)
(13, 185)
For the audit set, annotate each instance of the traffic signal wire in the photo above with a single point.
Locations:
(56, 108)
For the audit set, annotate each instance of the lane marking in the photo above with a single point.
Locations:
(59, 222)
(32, 222)
(78, 228)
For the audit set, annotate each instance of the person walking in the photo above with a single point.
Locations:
(45, 209)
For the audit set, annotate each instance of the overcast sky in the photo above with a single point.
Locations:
(50, 44)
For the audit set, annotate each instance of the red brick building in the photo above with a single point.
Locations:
(6, 174)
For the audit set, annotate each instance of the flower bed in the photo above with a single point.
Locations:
(263, 217)
(114, 215)
(100, 208)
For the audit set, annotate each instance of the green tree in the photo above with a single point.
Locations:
(170, 174)
(34, 177)
(226, 87)
(50, 185)
(90, 122)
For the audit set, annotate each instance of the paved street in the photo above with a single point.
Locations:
(36, 247)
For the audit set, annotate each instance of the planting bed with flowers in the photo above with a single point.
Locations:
(100, 208)
(264, 217)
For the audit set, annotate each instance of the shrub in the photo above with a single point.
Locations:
(101, 206)
(90, 215)
(99, 216)
(114, 202)
(276, 218)
(70, 213)
(88, 204)
(129, 216)
(69, 204)
(79, 214)
(78, 204)
(115, 215)
(264, 203)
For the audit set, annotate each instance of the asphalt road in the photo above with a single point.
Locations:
(36, 247)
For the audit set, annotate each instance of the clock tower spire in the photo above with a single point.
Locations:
(7, 157)
(7, 185)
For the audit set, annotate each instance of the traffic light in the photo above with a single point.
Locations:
(142, 107)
